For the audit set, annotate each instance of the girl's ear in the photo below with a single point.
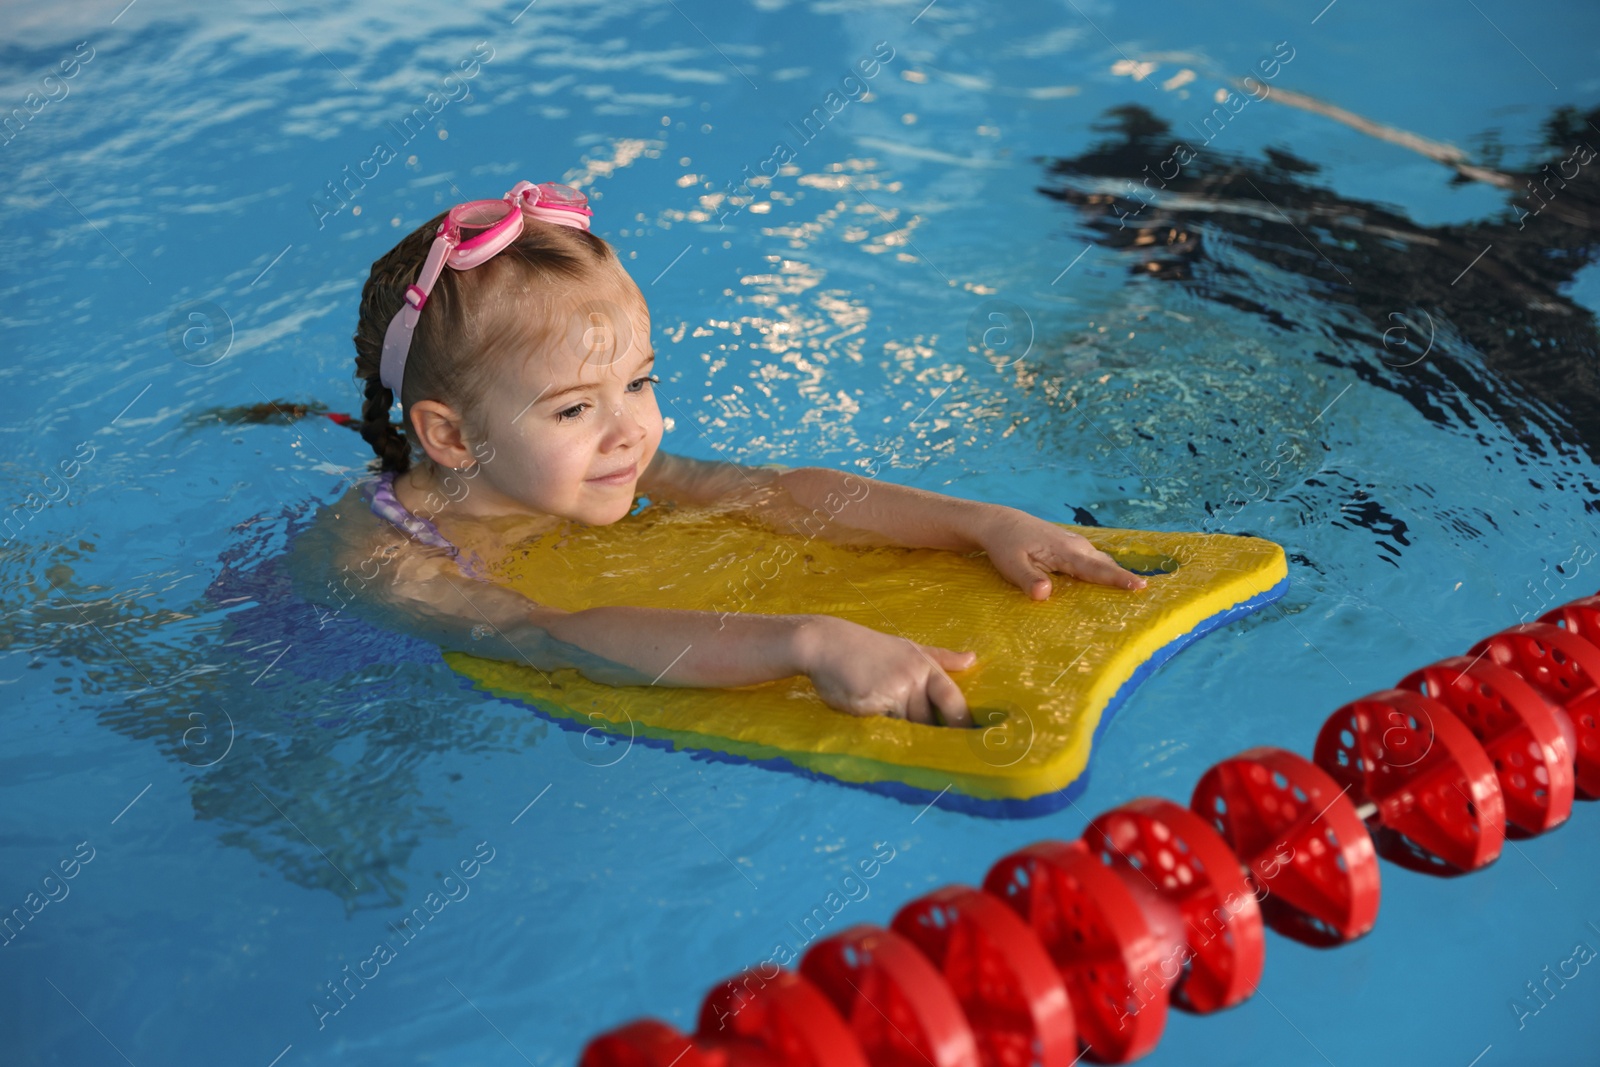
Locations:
(438, 429)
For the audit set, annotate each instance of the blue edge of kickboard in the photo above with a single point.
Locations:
(1005, 808)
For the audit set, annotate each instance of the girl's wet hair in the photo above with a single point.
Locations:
(468, 322)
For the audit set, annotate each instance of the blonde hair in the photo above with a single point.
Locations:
(468, 325)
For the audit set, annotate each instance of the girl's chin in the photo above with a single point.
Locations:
(605, 516)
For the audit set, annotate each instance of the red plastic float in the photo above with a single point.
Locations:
(1307, 852)
(1425, 774)
(785, 1015)
(898, 1007)
(647, 1043)
(747, 1021)
(1152, 902)
(1520, 730)
(1179, 856)
(1565, 669)
(1581, 617)
(1013, 997)
(1117, 960)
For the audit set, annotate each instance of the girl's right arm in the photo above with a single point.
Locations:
(349, 562)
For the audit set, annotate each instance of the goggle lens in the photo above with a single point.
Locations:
(558, 195)
(480, 215)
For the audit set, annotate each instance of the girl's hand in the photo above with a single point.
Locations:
(860, 671)
(1025, 550)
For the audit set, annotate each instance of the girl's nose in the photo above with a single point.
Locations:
(630, 426)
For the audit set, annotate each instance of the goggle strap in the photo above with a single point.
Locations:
(576, 217)
(397, 338)
(432, 267)
(396, 343)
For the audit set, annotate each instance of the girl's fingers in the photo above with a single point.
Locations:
(917, 709)
(1022, 569)
(947, 695)
(1101, 569)
(950, 659)
(1110, 572)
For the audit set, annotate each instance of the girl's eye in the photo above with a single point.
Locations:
(576, 411)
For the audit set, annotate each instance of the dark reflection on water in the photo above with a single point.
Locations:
(1420, 321)
(308, 745)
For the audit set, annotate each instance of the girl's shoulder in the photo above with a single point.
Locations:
(351, 511)
(386, 504)
(354, 513)
(418, 529)
(350, 557)
(345, 533)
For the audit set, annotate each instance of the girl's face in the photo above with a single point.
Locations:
(574, 426)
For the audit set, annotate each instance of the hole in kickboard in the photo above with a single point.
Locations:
(1143, 559)
(1004, 717)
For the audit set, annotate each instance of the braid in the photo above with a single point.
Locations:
(385, 437)
(382, 296)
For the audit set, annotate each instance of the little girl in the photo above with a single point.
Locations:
(524, 379)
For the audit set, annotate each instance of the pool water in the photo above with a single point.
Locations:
(1344, 322)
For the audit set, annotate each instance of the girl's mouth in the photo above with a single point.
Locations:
(621, 477)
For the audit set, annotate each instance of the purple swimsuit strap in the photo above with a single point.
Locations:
(387, 506)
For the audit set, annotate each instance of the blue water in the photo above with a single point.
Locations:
(262, 797)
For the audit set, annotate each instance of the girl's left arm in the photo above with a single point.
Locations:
(834, 505)
(696, 481)
(1024, 548)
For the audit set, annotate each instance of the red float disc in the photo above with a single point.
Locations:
(896, 1005)
(1519, 730)
(646, 1043)
(1176, 853)
(1315, 870)
(1581, 617)
(1430, 779)
(1116, 966)
(1565, 669)
(784, 1014)
(1013, 996)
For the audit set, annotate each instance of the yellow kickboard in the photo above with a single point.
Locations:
(1046, 671)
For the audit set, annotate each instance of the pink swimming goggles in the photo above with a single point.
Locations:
(499, 223)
